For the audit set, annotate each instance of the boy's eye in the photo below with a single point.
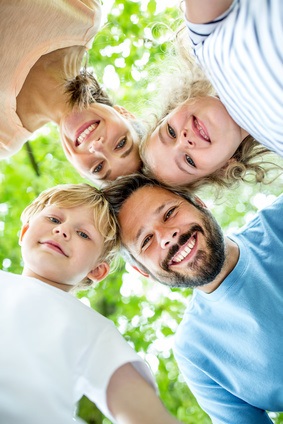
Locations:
(82, 234)
(170, 131)
(169, 213)
(145, 241)
(190, 161)
(54, 220)
(98, 168)
(121, 143)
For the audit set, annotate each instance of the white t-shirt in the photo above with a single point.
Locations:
(241, 53)
(54, 349)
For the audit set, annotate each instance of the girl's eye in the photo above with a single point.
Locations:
(169, 213)
(121, 143)
(54, 220)
(146, 241)
(98, 168)
(82, 234)
(170, 131)
(190, 161)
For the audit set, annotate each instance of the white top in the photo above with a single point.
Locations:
(54, 349)
(29, 30)
(241, 53)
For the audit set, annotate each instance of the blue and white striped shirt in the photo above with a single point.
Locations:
(241, 53)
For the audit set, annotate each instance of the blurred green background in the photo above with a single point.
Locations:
(126, 56)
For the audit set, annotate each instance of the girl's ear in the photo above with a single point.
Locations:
(124, 112)
(140, 271)
(99, 272)
(23, 231)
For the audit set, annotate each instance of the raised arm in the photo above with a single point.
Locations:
(132, 400)
(202, 11)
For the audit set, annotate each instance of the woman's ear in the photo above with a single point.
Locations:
(99, 272)
(200, 202)
(23, 231)
(124, 112)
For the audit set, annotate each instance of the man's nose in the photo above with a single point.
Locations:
(97, 145)
(62, 230)
(168, 237)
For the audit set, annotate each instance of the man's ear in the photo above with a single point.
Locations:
(99, 272)
(23, 231)
(124, 112)
(200, 202)
(140, 271)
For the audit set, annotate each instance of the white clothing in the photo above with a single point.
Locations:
(241, 53)
(29, 30)
(54, 349)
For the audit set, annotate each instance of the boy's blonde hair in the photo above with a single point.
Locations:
(73, 195)
(181, 81)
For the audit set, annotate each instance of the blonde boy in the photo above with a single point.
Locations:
(54, 349)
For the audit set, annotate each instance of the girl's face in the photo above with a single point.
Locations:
(193, 141)
(100, 142)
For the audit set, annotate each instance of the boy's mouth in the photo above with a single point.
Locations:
(54, 246)
(200, 130)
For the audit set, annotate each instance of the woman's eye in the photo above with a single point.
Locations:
(98, 168)
(169, 213)
(190, 161)
(146, 241)
(54, 220)
(82, 234)
(170, 131)
(121, 143)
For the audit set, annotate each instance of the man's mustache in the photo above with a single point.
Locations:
(182, 240)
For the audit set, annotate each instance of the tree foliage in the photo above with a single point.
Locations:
(130, 46)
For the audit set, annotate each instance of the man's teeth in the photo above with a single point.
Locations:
(184, 253)
(88, 130)
(200, 130)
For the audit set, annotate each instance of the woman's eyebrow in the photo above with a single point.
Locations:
(127, 152)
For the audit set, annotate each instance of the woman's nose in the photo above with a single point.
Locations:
(96, 145)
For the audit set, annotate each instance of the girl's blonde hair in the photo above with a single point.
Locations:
(183, 80)
(73, 195)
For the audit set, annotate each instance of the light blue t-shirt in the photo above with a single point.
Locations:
(229, 346)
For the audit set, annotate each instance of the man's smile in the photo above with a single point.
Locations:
(184, 251)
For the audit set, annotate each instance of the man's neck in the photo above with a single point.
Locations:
(231, 258)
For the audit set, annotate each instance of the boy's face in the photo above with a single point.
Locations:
(61, 246)
(193, 141)
(100, 142)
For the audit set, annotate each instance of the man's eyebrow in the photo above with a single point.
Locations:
(156, 212)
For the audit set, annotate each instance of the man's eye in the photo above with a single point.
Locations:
(82, 234)
(54, 220)
(170, 131)
(98, 168)
(121, 143)
(146, 241)
(190, 161)
(169, 213)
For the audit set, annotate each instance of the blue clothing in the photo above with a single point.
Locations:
(229, 345)
(241, 53)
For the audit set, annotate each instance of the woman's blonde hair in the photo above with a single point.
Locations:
(183, 80)
(74, 195)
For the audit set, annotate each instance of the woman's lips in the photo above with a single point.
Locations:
(84, 131)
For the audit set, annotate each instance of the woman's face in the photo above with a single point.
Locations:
(100, 142)
(194, 140)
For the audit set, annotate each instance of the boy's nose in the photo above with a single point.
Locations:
(63, 231)
(184, 139)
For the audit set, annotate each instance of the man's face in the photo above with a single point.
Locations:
(179, 245)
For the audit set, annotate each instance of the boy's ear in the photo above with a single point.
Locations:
(140, 271)
(23, 231)
(124, 112)
(99, 272)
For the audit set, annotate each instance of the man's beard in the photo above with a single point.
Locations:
(205, 266)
